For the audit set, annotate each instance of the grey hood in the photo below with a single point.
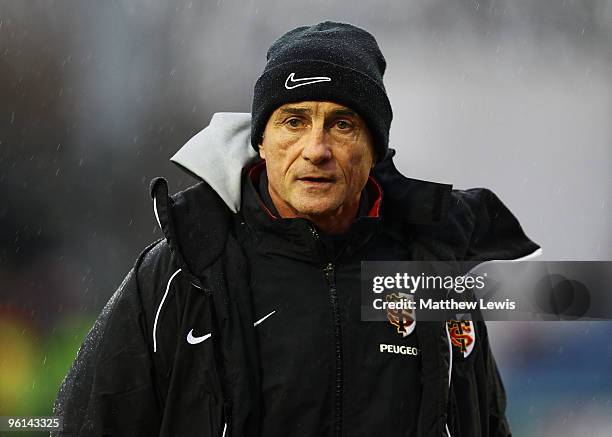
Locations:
(218, 153)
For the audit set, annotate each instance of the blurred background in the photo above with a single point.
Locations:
(513, 95)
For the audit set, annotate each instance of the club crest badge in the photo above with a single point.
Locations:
(402, 319)
(462, 336)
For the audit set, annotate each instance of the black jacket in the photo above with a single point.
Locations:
(148, 368)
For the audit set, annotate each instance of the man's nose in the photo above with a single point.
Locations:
(317, 148)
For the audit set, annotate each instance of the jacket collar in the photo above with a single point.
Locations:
(195, 223)
(412, 201)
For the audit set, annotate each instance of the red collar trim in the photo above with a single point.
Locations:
(375, 190)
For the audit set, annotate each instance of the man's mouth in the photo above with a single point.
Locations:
(316, 179)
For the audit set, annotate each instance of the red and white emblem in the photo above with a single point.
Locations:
(462, 335)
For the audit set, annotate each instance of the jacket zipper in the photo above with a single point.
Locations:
(330, 276)
(333, 296)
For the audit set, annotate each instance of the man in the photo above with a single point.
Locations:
(245, 319)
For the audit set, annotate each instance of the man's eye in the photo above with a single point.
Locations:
(343, 125)
(294, 122)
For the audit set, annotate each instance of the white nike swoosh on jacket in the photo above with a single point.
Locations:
(191, 339)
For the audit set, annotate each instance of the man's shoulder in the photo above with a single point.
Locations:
(486, 226)
(465, 206)
(152, 271)
(154, 259)
(463, 224)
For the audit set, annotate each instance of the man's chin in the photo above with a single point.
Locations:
(316, 209)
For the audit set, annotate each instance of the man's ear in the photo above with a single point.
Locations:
(262, 150)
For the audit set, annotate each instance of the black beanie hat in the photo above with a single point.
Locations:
(330, 61)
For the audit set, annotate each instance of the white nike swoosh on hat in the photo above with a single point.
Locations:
(191, 339)
(303, 81)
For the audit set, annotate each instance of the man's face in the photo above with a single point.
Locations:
(318, 158)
